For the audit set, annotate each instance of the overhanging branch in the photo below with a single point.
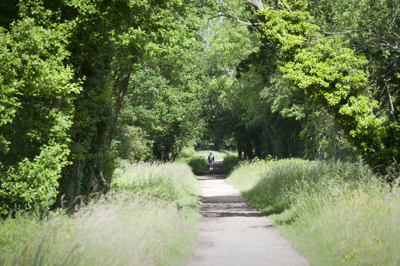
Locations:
(243, 22)
(257, 4)
(222, 13)
(287, 7)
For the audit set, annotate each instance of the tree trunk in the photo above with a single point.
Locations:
(118, 105)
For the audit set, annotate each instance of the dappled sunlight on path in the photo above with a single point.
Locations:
(233, 233)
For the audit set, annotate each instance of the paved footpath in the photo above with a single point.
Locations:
(232, 233)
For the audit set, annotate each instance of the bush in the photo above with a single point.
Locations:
(197, 163)
(230, 161)
(332, 212)
(186, 153)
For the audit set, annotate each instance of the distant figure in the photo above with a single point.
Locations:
(211, 160)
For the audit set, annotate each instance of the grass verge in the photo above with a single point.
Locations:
(333, 213)
(148, 218)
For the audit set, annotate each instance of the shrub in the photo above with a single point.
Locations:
(186, 153)
(196, 163)
(230, 161)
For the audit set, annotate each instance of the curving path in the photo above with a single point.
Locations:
(232, 233)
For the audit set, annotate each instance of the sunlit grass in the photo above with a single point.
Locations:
(218, 156)
(148, 218)
(333, 213)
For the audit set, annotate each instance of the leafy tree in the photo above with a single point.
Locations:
(99, 45)
(328, 74)
(36, 106)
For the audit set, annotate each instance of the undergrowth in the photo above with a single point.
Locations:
(148, 218)
(333, 213)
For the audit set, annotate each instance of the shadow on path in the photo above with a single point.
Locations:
(219, 172)
(229, 203)
(232, 233)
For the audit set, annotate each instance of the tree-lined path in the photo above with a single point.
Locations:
(232, 233)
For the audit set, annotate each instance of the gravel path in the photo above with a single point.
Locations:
(232, 233)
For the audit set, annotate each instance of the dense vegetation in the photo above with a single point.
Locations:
(85, 85)
(320, 82)
(333, 213)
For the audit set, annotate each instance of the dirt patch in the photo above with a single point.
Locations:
(233, 233)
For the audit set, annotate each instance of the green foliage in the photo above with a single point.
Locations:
(132, 144)
(197, 163)
(227, 43)
(52, 46)
(239, 72)
(230, 161)
(323, 70)
(158, 107)
(186, 153)
(226, 152)
(36, 103)
(331, 212)
(153, 208)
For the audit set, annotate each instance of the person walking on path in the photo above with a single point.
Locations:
(211, 160)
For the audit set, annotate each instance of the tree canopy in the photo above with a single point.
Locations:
(85, 84)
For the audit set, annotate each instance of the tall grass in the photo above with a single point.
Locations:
(148, 218)
(333, 213)
(171, 182)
